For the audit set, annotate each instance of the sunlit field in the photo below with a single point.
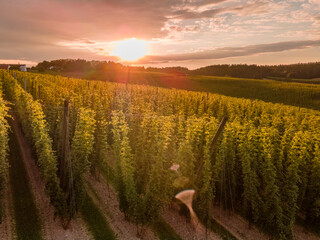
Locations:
(160, 120)
(276, 91)
(260, 156)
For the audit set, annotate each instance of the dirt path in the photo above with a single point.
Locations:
(52, 228)
(107, 202)
(239, 227)
(301, 233)
(179, 223)
(236, 225)
(7, 225)
(184, 228)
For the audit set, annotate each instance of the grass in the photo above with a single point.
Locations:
(95, 221)
(28, 225)
(298, 80)
(164, 231)
(160, 228)
(289, 93)
(97, 197)
(220, 230)
(314, 230)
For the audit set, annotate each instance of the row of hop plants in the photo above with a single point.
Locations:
(269, 176)
(66, 201)
(141, 99)
(265, 166)
(34, 126)
(4, 138)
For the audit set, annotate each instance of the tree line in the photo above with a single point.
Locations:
(291, 71)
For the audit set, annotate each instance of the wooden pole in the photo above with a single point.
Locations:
(214, 141)
(114, 100)
(157, 99)
(70, 187)
(64, 145)
(219, 131)
(39, 91)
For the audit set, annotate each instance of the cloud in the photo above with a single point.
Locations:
(227, 52)
(40, 52)
(57, 20)
(257, 7)
(187, 14)
(97, 19)
(203, 3)
(35, 29)
(245, 9)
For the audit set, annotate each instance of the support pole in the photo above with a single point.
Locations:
(214, 140)
(64, 146)
(39, 91)
(219, 131)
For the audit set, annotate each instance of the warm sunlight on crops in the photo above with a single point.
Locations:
(130, 49)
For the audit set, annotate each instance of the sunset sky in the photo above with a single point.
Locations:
(176, 32)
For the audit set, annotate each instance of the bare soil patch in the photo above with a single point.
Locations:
(7, 225)
(240, 227)
(52, 228)
(106, 199)
(301, 233)
(184, 228)
(237, 225)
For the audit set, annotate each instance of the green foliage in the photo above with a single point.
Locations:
(4, 129)
(249, 152)
(272, 210)
(266, 163)
(100, 156)
(111, 70)
(35, 127)
(129, 200)
(313, 192)
(81, 149)
(159, 187)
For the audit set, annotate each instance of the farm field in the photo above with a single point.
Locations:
(310, 81)
(298, 92)
(105, 160)
(160, 120)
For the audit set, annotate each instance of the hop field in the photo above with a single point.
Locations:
(265, 165)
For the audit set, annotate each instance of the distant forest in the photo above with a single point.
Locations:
(291, 71)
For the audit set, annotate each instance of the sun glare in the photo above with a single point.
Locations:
(130, 49)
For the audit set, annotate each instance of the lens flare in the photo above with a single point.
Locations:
(186, 197)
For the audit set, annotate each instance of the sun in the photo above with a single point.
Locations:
(130, 49)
